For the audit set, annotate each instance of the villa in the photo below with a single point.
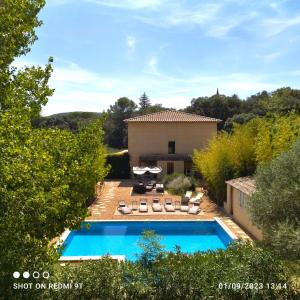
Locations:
(167, 139)
(239, 191)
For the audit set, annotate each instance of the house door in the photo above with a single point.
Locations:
(170, 168)
(231, 200)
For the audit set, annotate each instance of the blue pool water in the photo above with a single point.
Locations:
(120, 238)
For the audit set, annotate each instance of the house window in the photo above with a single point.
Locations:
(171, 147)
(242, 199)
(170, 168)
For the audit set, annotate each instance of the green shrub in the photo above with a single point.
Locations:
(177, 183)
(275, 205)
(239, 153)
(119, 165)
(179, 276)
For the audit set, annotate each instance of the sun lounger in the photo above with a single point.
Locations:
(156, 206)
(198, 198)
(143, 205)
(195, 209)
(169, 207)
(123, 208)
(188, 194)
(184, 207)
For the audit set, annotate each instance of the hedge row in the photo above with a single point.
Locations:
(119, 165)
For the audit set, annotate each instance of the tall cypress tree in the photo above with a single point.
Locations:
(144, 102)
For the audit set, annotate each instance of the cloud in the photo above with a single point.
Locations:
(79, 89)
(128, 4)
(152, 66)
(275, 26)
(131, 42)
(271, 57)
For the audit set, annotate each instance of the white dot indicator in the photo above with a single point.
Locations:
(16, 274)
(26, 274)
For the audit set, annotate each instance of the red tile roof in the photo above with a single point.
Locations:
(172, 116)
(244, 184)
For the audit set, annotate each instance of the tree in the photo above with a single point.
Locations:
(46, 175)
(275, 206)
(216, 106)
(174, 277)
(115, 127)
(144, 102)
(26, 88)
(227, 156)
(151, 248)
(72, 120)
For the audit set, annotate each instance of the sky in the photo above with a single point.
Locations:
(172, 50)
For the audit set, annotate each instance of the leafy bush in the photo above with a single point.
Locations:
(275, 206)
(227, 156)
(119, 165)
(238, 154)
(179, 276)
(177, 183)
(151, 248)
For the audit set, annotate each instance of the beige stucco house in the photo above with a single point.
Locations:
(167, 139)
(239, 191)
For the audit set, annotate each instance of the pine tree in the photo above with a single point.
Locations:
(144, 102)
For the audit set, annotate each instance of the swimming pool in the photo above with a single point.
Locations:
(119, 238)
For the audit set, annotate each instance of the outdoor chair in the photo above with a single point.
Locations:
(195, 209)
(143, 205)
(156, 206)
(123, 208)
(198, 198)
(184, 207)
(169, 207)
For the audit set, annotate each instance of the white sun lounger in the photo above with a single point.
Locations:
(188, 194)
(156, 206)
(123, 208)
(198, 198)
(169, 207)
(143, 205)
(195, 209)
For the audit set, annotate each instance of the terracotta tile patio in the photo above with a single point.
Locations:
(113, 191)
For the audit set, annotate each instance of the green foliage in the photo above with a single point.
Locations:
(216, 106)
(115, 127)
(144, 102)
(275, 206)
(177, 183)
(275, 135)
(119, 165)
(46, 175)
(233, 110)
(151, 248)
(236, 154)
(179, 276)
(238, 119)
(227, 156)
(72, 121)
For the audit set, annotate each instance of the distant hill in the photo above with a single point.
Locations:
(69, 120)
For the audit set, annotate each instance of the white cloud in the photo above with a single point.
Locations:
(275, 26)
(152, 66)
(78, 89)
(131, 42)
(271, 57)
(128, 4)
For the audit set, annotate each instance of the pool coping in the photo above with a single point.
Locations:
(66, 233)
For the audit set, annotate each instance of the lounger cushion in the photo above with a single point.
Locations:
(125, 210)
(169, 207)
(184, 208)
(156, 207)
(194, 210)
(143, 208)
